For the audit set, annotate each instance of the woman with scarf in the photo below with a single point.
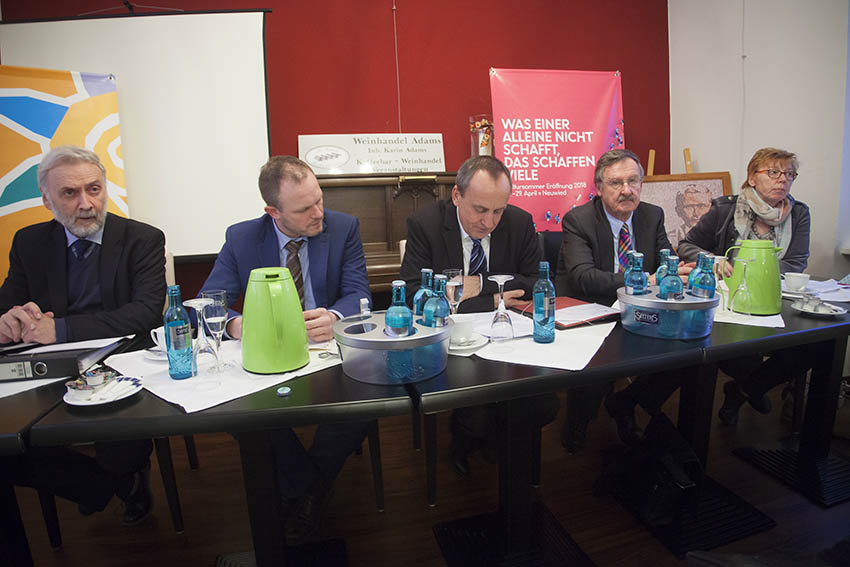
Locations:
(764, 210)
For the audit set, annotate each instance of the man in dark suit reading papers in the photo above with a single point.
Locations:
(478, 231)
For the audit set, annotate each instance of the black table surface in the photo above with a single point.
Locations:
(728, 341)
(324, 396)
(20, 411)
(472, 380)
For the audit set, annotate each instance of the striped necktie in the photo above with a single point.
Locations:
(477, 259)
(81, 248)
(293, 264)
(624, 244)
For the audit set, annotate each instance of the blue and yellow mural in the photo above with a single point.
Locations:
(39, 110)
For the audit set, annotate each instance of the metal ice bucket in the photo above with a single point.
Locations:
(370, 355)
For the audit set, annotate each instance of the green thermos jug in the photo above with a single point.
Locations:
(761, 273)
(274, 337)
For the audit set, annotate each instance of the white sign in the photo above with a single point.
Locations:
(372, 153)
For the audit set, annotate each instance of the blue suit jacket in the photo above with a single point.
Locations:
(337, 264)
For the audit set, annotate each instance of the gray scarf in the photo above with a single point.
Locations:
(751, 207)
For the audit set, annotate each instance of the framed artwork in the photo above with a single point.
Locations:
(684, 197)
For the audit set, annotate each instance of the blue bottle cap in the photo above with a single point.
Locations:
(284, 391)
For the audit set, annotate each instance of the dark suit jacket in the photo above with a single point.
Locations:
(132, 277)
(715, 233)
(337, 265)
(433, 241)
(586, 262)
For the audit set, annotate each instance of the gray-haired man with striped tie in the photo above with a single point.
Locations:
(596, 239)
(479, 232)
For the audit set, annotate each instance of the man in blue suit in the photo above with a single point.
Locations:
(324, 254)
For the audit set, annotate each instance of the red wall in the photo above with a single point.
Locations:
(331, 65)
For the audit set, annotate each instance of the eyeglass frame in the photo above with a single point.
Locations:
(618, 184)
(789, 175)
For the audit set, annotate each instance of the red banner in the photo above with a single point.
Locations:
(550, 128)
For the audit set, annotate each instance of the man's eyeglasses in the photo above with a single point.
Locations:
(618, 184)
(775, 173)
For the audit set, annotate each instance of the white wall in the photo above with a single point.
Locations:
(745, 74)
(192, 102)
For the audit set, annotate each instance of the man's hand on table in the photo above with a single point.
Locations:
(27, 323)
(471, 287)
(319, 323)
(512, 297)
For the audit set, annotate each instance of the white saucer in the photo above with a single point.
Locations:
(836, 310)
(476, 341)
(79, 397)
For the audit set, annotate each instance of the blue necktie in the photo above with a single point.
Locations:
(81, 248)
(477, 259)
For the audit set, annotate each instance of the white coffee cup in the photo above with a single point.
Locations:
(462, 330)
(158, 337)
(795, 281)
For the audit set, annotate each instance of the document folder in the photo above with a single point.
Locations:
(57, 364)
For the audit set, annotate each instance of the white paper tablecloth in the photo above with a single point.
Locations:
(725, 316)
(572, 349)
(207, 390)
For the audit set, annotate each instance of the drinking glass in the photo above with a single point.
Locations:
(454, 287)
(215, 315)
(740, 300)
(202, 343)
(501, 329)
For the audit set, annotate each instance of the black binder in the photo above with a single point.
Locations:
(18, 365)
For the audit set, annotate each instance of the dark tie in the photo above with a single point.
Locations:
(81, 248)
(477, 259)
(623, 246)
(293, 263)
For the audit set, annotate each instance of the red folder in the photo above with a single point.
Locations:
(527, 308)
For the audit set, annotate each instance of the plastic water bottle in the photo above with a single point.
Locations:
(662, 265)
(424, 292)
(636, 279)
(178, 337)
(436, 311)
(705, 283)
(692, 277)
(399, 323)
(398, 319)
(671, 285)
(544, 306)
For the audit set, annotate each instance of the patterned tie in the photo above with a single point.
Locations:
(623, 246)
(293, 264)
(477, 259)
(81, 248)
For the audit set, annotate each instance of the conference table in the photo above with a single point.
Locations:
(523, 530)
(322, 397)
